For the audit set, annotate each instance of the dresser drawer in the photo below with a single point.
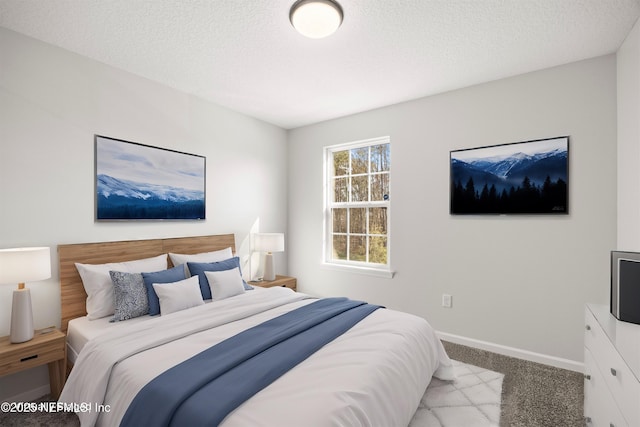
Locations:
(623, 385)
(599, 408)
(593, 333)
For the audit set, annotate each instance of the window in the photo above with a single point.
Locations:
(357, 204)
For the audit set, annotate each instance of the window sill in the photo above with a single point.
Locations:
(387, 274)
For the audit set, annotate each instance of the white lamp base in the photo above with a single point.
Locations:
(269, 270)
(21, 316)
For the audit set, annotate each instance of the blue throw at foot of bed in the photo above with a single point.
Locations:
(203, 390)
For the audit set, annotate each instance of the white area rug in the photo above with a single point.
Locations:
(471, 400)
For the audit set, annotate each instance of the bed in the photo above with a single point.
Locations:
(374, 374)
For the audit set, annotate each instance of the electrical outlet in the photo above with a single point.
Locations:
(446, 300)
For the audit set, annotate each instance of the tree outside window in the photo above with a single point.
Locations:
(357, 203)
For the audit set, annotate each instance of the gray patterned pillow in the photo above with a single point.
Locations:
(130, 295)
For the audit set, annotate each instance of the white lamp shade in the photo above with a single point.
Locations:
(268, 242)
(316, 18)
(19, 265)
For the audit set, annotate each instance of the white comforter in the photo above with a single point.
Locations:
(373, 375)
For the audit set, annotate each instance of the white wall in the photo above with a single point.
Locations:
(628, 61)
(517, 281)
(52, 102)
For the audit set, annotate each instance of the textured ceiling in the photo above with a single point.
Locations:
(244, 54)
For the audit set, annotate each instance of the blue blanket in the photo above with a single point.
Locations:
(203, 390)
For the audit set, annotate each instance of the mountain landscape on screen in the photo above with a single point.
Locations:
(510, 179)
(122, 199)
(141, 182)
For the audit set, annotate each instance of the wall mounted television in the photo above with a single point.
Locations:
(625, 286)
(140, 182)
(529, 177)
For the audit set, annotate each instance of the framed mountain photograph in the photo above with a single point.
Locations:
(140, 182)
(528, 177)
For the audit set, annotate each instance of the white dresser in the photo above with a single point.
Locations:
(612, 370)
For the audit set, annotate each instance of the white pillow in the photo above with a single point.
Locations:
(214, 256)
(178, 296)
(99, 287)
(225, 284)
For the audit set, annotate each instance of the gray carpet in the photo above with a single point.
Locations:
(533, 395)
(39, 419)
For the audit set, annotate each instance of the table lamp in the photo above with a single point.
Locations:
(269, 243)
(20, 265)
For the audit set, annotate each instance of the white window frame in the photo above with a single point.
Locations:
(376, 269)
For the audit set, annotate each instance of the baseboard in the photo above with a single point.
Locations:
(29, 395)
(531, 356)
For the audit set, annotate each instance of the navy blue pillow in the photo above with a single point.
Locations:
(174, 274)
(200, 267)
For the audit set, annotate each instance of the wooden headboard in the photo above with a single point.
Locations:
(72, 294)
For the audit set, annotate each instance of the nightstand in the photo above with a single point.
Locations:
(45, 347)
(284, 281)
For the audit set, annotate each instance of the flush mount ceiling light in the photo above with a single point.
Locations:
(316, 18)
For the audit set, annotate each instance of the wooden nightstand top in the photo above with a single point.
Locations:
(285, 281)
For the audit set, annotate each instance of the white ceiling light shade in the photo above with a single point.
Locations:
(316, 18)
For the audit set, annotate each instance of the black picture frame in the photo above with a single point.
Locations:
(135, 181)
(529, 177)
